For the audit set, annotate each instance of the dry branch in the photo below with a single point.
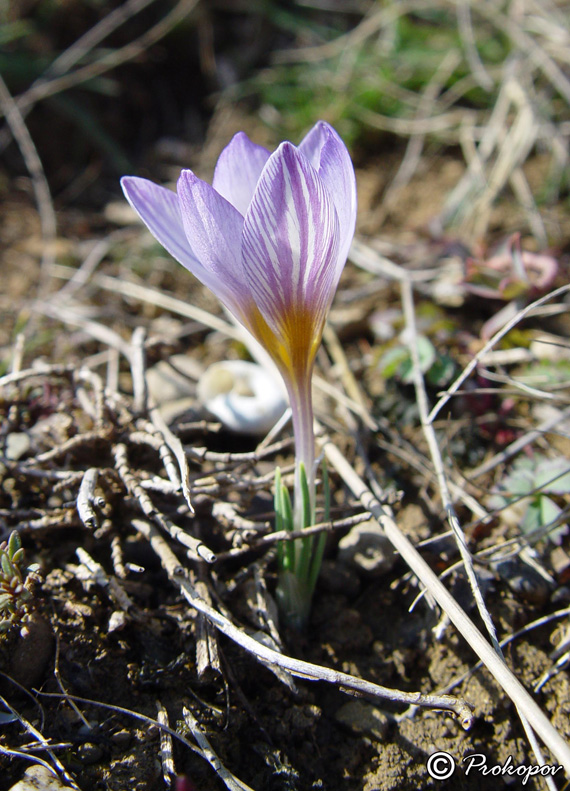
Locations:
(496, 666)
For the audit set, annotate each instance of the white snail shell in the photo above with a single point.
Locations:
(243, 396)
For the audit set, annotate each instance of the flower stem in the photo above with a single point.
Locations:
(301, 401)
(299, 560)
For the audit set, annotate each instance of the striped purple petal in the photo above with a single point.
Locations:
(238, 170)
(290, 247)
(159, 209)
(329, 156)
(215, 228)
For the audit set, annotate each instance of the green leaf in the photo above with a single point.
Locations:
(288, 522)
(287, 509)
(532, 520)
(278, 501)
(6, 601)
(7, 568)
(391, 362)
(322, 538)
(553, 476)
(306, 496)
(496, 502)
(426, 355)
(442, 371)
(283, 521)
(18, 557)
(278, 508)
(14, 543)
(11, 31)
(550, 513)
(304, 565)
(5, 625)
(542, 512)
(521, 481)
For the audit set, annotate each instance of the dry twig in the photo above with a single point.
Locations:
(296, 667)
(510, 684)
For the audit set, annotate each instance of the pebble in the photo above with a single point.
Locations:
(363, 718)
(90, 753)
(117, 621)
(33, 652)
(561, 596)
(121, 739)
(366, 548)
(39, 778)
(17, 445)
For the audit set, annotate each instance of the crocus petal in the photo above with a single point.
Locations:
(290, 240)
(159, 209)
(215, 228)
(329, 156)
(238, 170)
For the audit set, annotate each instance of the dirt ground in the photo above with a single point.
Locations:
(130, 640)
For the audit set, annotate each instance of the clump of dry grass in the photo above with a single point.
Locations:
(488, 78)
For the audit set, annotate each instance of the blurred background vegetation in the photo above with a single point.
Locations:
(108, 88)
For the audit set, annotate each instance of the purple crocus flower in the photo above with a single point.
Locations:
(270, 238)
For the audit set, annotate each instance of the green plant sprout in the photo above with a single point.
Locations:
(529, 485)
(14, 595)
(397, 363)
(299, 560)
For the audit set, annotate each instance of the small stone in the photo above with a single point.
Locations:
(117, 621)
(363, 718)
(33, 652)
(90, 753)
(366, 548)
(560, 563)
(121, 739)
(39, 778)
(17, 445)
(561, 596)
(302, 718)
